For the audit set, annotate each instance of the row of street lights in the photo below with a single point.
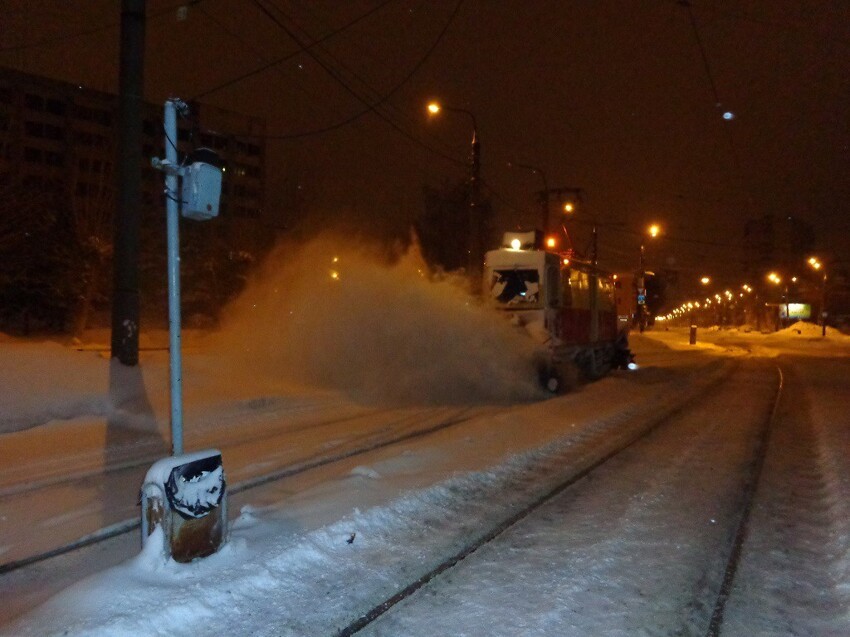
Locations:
(729, 298)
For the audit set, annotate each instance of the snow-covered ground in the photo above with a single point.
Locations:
(632, 549)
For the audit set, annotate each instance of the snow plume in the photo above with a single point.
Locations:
(341, 318)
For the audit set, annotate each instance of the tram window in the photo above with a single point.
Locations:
(581, 289)
(515, 287)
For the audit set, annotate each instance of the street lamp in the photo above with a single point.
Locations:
(816, 265)
(474, 239)
(653, 231)
(705, 280)
(569, 207)
(774, 278)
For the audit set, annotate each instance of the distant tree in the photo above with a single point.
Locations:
(90, 214)
(444, 229)
(217, 257)
(33, 285)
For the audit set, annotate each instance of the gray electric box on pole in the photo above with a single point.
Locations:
(201, 187)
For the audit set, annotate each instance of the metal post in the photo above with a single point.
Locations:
(173, 229)
(475, 230)
(641, 286)
(594, 291)
(823, 305)
(787, 307)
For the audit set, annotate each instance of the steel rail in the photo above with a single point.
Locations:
(649, 427)
(742, 529)
(126, 526)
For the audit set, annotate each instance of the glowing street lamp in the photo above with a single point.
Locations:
(777, 280)
(816, 266)
(705, 280)
(653, 232)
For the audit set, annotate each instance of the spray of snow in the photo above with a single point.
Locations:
(344, 319)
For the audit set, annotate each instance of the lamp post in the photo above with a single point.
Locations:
(817, 266)
(474, 240)
(774, 278)
(653, 231)
(574, 195)
(705, 281)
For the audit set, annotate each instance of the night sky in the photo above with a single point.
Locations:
(618, 97)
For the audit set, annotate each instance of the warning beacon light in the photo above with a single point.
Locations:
(201, 188)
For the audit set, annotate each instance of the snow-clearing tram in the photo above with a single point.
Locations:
(564, 304)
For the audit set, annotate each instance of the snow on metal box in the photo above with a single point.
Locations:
(185, 495)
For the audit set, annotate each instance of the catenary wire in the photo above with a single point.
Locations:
(341, 81)
(289, 56)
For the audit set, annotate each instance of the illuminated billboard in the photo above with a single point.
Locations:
(795, 311)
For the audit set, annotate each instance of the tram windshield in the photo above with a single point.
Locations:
(516, 287)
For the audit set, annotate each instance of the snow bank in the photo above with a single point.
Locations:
(805, 329)
(46, 381)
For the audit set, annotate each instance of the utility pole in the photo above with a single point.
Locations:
(125, 294)
(641, 289)
(476, 229)
(572, 194)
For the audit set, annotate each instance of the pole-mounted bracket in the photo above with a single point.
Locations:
(180, 106)
(168, 167)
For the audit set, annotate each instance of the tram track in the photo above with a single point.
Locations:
(741, 531)
(370, 444)
(152, 451)
(526, 511)
(594, 447)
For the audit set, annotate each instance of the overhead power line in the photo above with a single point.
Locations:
(380, 100)
(706, 65)
(372, 106)
(289, 56)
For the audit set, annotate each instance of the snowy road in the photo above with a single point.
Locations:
(637, 546)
